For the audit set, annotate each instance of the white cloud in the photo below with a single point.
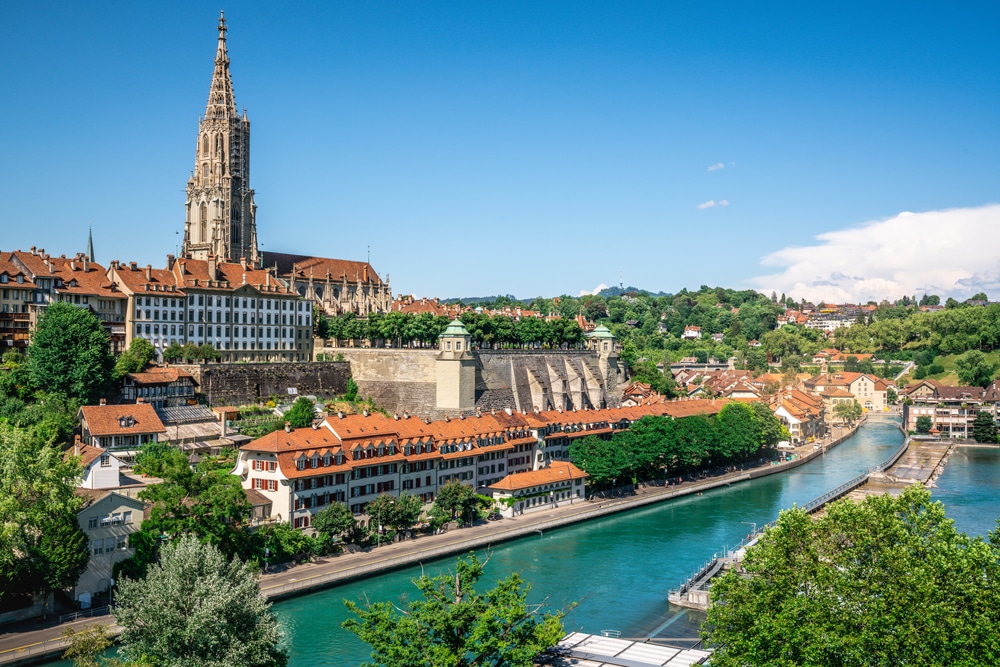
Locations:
(711, 203)
(594, 291)
(948, 253)
(717, 165)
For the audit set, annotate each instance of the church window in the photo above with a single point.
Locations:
(204, 144)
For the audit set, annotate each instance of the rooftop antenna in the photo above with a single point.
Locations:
(369, 254)
(621, 278)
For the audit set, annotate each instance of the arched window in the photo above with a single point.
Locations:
(203, 211)
(204, 144)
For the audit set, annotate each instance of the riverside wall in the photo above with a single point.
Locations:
(243, 384)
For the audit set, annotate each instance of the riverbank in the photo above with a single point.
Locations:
(34, 645)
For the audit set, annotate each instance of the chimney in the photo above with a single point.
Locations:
(140, 399)
(33, 252)
(406, 415)
(149, 272)
(86, 264)
(72, 265)
(395, 415)
(103, 401)
(170, 262)
(243, 263)
(340, 414)
(365, 412)
(288, 427)
(447, 419)
(76, 445)
(133, 266)
(315, 426)
(211, 267)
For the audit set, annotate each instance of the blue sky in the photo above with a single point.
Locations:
(529, 148)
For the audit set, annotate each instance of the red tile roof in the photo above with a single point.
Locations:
(558, 471)
(105, 420)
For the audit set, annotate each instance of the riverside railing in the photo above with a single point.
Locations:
(809, 507)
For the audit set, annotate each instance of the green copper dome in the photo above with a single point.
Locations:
(600, 331)
(455, 328)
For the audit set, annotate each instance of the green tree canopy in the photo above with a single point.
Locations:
(924, 424)
(984, 428)
(135, 359)
(196, 607)
(70, 354)
(457, 500)
(41, 544)
(974, 369)
(453, 624)
(888, 581)
(302, 413)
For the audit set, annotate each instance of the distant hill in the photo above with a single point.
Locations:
(618, 291)
(606, 292)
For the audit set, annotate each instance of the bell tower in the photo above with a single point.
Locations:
(220, 216)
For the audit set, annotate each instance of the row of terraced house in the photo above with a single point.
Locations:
(292, 474)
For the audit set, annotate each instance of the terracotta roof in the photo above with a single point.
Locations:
(558, 471)
(256, 498)
(87, 453)
(196, 274)
(302, 266)
(113, 419)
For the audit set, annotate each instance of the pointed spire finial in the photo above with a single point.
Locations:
(90, 243)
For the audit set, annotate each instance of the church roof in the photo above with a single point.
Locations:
(302, 267)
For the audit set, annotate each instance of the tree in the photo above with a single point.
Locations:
(848, 411)
(924, 424)
(88, 644)
(135, 359)
(974, 369)
(196, 607)
(455, 499)
(887, 581)
(302, 413)
(891, 396)
(336, 521)
(70, 354)
(173, 352)
(352, 390)
(984, 428)
(41, 544)
(394, 514)
(457, 626)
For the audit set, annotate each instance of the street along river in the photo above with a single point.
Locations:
(618, 569)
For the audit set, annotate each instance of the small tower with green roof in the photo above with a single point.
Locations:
(456, 370)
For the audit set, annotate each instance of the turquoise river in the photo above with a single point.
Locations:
(619, 569)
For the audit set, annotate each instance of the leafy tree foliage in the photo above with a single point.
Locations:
(302, 413)
(984, 429)
(653, 445)
(173, 352)
(352, 390)
(891, 396)
(974, 369)
(848, 411)
(335, 521)
(924, 424)
(69, 353)
(457, 500)
(394, 513)
(135, 359)
(888, 581)
(88, 645)
(197, 607)
(206, 501)
(455, 625)
(41, 544)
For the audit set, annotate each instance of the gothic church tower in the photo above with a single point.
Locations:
(221, 217)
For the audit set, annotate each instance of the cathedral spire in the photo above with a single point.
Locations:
(90, 244)
(221, 101)
(220, 218)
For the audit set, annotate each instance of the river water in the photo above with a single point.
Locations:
(619, 569)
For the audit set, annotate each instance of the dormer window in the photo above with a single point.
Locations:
(326, 461)
(3, 278)
(300, 464)
(315, 462)
(127, 421)
(20, 279)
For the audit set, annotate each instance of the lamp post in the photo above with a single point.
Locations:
(751, 523)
